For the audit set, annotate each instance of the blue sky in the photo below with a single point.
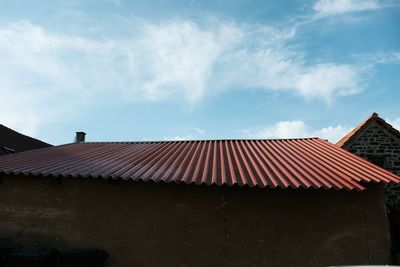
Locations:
(155, 70)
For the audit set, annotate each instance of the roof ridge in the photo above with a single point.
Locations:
(196, 140)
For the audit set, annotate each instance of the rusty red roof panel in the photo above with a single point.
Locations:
(290, 163)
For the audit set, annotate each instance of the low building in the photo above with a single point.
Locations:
(377, 141)
(296, 202)
(12, 141)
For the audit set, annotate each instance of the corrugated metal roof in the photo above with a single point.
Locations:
(293, 163)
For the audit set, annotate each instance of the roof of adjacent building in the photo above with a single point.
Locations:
(286, 163)
(373, 118)
(12, 141)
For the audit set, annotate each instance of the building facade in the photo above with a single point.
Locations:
(294, 202)
(378, 142)
(148, 224)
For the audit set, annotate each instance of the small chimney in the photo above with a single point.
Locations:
(80, 137)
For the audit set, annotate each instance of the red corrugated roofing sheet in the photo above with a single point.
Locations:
(291, 163)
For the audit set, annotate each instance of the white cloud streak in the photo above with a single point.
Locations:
(324, 8)
(48, 75)
(392, 57)
(297, 129)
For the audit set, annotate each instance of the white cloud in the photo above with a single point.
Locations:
(178, 58)
(338, 7)
(297, 129)
(335, 79)
(282, 70)
(38, 82)
(50, 75)
(179, 138)
(196, 133)
(283, 129)
(331, 133)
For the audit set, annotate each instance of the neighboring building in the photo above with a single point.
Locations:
(377, 141)
(297, 202)
(12, 142)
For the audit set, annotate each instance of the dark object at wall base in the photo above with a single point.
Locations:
(394, 218)
(3, 255)
(31, 258)
(83, 258)
(52, 258)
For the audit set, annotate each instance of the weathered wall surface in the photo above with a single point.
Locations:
(376, 141)
(145, 224)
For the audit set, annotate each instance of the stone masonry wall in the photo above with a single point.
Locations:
(376, 141)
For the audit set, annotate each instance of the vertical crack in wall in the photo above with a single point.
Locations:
(226, 227)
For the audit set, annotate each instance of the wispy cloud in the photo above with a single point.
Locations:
(297, 129)
(177, 60)
(325, 8)
(202, 60)
(392, 57)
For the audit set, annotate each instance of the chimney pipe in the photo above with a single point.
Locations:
(80, 137)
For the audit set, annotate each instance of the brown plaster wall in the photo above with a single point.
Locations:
(146, 224)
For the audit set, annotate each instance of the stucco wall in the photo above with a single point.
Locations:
(145, 224)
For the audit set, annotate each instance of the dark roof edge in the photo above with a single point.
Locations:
(26, 136)
(236, 185)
